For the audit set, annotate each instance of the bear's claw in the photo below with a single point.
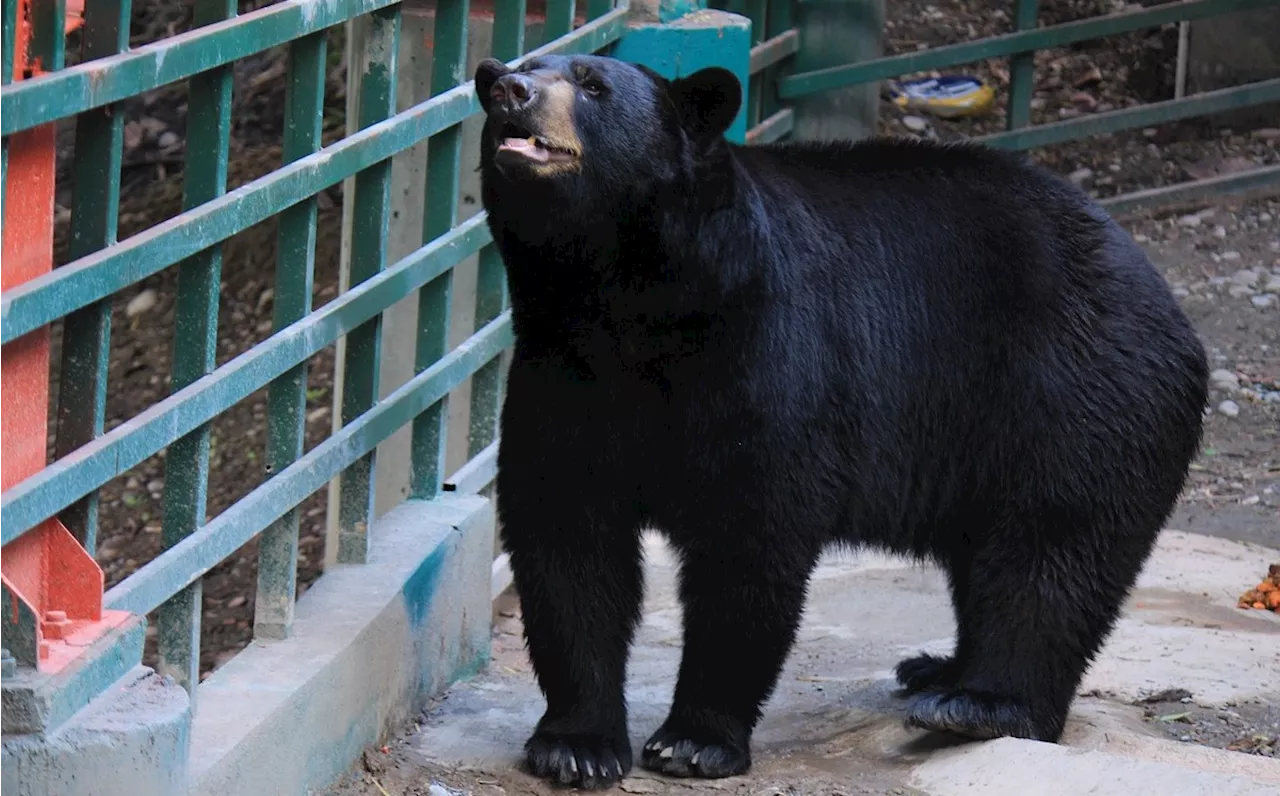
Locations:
(668, 753)
(581, 761)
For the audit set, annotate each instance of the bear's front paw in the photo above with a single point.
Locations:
(694, 754)
(582, 760)
(925, 673)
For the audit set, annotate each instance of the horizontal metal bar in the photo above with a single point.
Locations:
(185, 562)
(1227, 99)
(1265, 177)
(82, 282)
(30, 103)
(769, 52)
(64, 481)
(476, 474)
(772, 128)
(801, 84)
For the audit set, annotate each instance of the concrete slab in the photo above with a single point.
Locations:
(130, 740)
(833, 726)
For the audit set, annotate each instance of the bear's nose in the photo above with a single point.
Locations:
(513, 92)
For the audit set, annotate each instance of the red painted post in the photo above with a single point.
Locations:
(55, 587)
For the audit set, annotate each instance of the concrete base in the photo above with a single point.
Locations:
(370, 643)
(131, 740)
(833, 726)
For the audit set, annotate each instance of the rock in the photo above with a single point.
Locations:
(915, 124)
(1272, 285)
(1267, 134)
(1190, 221)
(1181, 292)
(1224, 379)
(1252, 500)
(1084, 101)
(1240, 291)
(143, 302)
(1264, 301)
(167, 139)
(1140, 238)
(1264, 218)
(1230, 257)
(1080, 176)
(1229, 408)
(1094, 75)
(1219, 232)
(1245, 276)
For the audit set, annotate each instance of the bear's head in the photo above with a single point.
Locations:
(597, 130)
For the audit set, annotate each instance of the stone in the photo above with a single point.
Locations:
(1272, 285)
(915, 124)
(1264, 301)
(1080, 176)
(1190, 221)
(1224, 379)
(141, 303)
(1267, 134)
(1229, 408)
(1240, 291)
(1246, 277)
(1230, 257)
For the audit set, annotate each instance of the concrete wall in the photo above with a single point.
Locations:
(371, 642)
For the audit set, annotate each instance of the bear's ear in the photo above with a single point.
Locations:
(487, 73)
(708, 101)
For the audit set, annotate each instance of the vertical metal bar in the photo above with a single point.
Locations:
(371, 213)
(195, 341)
(508, 27)
(491, 274)
(559, 19)
(48, 34)
(598, 8)
(8, 53)
(779, 21)
(1022, 77)
(287, 396)
(95, 204)
(756, 11)
(444, 159)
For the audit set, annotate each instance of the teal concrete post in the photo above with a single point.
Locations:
(833, 33)
(685, 38)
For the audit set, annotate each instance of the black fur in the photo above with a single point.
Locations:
(942, 351)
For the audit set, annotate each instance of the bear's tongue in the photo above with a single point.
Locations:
(527, 147)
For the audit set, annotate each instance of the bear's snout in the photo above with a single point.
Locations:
(513, 92)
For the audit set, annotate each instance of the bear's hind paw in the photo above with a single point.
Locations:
(925, 673)
(978, 716)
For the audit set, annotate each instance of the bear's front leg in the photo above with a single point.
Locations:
(742, 599)
(577, 569)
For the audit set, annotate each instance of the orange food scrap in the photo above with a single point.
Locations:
(1266, 595)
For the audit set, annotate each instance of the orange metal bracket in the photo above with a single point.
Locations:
(46, 571)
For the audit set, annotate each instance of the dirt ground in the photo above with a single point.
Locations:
(1234, 489)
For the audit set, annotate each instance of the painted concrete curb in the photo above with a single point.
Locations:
(131, 740)
(370, 644)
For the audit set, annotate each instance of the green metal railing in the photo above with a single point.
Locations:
(80, 291)
(774, 41)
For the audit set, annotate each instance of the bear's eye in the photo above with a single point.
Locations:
(593, 86)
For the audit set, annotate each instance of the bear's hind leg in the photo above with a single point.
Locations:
(1041, 600)
(580, 581)
(931, 672)
(742, 606)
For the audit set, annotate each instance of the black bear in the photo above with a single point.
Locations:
(939, 350)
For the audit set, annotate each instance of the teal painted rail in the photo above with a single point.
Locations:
(79, 293)
(1019, 46)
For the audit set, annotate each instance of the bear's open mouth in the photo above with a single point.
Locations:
(516, 140)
